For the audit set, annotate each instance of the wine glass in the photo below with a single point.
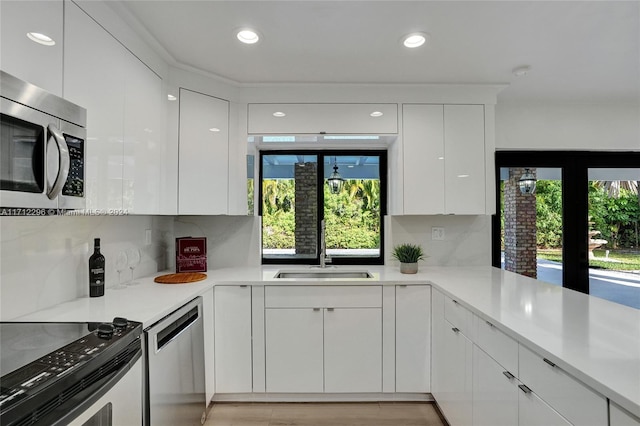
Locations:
(121, 264)
(133, 254)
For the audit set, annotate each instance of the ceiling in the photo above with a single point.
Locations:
(578, 51)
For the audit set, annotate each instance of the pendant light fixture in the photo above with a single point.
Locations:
(335, 180)
(527, 182)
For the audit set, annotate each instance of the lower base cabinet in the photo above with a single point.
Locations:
(455, 398)
(495, 392)
(535, 412)
(323, 350)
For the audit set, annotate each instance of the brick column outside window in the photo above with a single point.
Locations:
(306, 214)
(520, 250)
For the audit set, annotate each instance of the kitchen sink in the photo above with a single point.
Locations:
(324, 274)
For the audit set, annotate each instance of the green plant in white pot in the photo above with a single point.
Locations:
(408, 255)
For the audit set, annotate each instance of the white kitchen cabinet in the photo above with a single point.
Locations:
(533, 411)
(423, 159)
(413, 338)
(145, 162)
(495, 392)
(465, 183)
(203, 186)
(233, 339)
(299, 119)
(620, 417)
(438, 355)
(456, 396)
(94, 78)
(38, 64)
(353, 350)
(573, 400)
(209, 345)
(294, 350)
(443, 159)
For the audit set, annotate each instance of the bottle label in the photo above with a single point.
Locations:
(97, 270)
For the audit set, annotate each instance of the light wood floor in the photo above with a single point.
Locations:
(324, 414)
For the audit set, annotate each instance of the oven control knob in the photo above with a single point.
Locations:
(105, 330)
(120, 322)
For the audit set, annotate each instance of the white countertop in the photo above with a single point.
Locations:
(595, 340)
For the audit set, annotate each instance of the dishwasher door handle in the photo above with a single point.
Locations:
(171, 328)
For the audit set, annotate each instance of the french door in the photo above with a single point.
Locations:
(579, 228)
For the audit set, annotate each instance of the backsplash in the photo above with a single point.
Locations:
(467, 240)
(43, 260)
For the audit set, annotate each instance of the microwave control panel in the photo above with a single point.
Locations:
(74, 186)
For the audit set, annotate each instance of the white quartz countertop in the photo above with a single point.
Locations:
(595, 340)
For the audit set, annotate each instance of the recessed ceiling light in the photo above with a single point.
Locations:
(463, 176)
(214, 129)
(171, 97)
(376, 114)
(279, 114)
(440, 158)
(41, 39)
(248, 36)
(521, 71)
(415, 40)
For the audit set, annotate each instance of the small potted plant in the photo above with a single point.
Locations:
(408, 255)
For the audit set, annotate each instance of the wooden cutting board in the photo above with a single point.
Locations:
(181, 278)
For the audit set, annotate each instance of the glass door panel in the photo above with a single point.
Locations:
(531, 223)
(613, 237)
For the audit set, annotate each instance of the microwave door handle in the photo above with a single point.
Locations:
(63, 170)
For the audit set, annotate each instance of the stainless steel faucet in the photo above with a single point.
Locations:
(323, 246)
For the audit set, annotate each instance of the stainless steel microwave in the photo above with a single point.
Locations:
(42, 148)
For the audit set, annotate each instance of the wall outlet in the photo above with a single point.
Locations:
(437, 233)
(147, 237)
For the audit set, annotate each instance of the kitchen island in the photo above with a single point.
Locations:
(594, 341)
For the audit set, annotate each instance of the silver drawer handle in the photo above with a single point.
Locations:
(454, 301)
(524, 388)
(489, 324)
(455, 329)
(316, 309)
(508, 375)
(330, 309)
(548, 362)
(244, 286)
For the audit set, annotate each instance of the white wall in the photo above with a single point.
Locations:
(467, 239)
(568, 127)
(44, 260)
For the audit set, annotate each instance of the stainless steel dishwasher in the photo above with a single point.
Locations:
(175, 393)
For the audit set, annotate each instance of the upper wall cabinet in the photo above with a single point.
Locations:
(126, 143)
(444, 159)
(204, 154)
(299, 119)
(36, 63)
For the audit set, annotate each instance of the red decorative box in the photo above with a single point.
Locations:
(191, 254)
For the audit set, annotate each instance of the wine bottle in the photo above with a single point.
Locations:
(96, 271)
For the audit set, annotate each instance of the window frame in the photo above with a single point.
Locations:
(321, 154)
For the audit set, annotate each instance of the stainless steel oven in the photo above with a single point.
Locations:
(81, 374)
(42, 148)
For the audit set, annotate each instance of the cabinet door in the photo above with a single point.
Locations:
(294, 350)
(621, 417)
(423, 159)
(38, 64)
(209, 345)
(353, 350)
(322, 118)
(145, 157)
(495, 395)
(535, 412)
(464, 159)
(94, 79)
(204, 154)
(455, 397)
(413, 338)
(438, 354)
(232, 339)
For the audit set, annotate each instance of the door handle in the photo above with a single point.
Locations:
(524, 388)
(508, 375)
(330, 309)
(455, 329)
(63, 162)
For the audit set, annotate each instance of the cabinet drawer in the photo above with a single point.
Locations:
(496, 344)
(574, 400)
(459, 316)
(323, 297)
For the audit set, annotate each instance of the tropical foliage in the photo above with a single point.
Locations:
(352, 216)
